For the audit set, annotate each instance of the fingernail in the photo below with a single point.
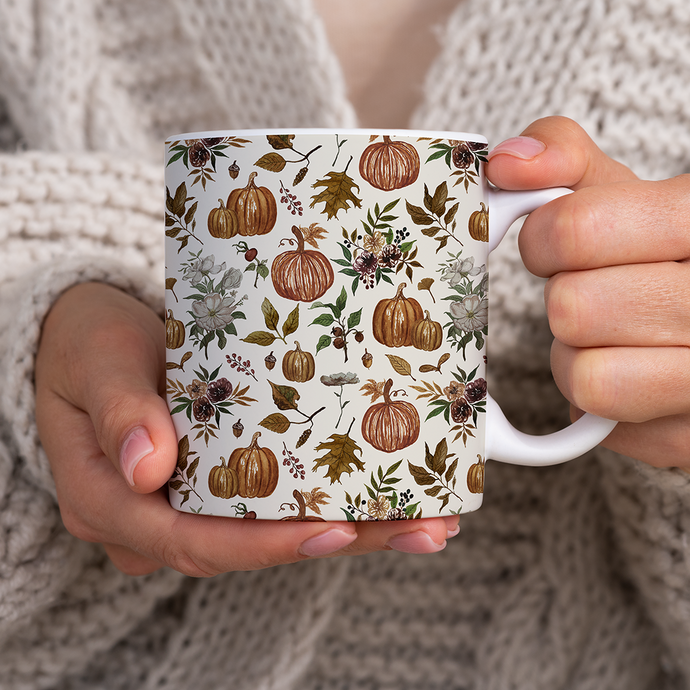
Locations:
(414, 542)
(326, 543)
(452, 525)
(525, 148)
(136, 447)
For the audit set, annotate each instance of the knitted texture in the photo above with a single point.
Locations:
(573, 577)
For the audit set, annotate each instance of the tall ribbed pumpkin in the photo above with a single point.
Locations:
(394, 319)
(390, 425)
(301, 274)
(256, 468)
(389, 165)
(255, 208)
(222, 222)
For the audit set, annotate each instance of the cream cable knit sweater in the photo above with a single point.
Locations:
(570, 577)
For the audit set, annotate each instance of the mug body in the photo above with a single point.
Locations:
(326, 323)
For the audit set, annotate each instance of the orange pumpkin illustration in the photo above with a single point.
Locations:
(256, 468)
(389, 165)
(255, 208)
(390, 425)
(301, 274)
(222, 222)
(394, 319)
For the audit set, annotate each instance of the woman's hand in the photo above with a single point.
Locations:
(616, 255)
(100, 378)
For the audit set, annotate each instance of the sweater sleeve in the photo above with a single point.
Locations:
(67, 220)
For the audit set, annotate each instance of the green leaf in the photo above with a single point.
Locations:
(324, 319)
(354, 318)
(342, 300)
(324, 341)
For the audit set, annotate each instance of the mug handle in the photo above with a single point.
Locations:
(503, 441)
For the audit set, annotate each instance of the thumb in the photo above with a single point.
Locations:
(552, 152)
(106, 354)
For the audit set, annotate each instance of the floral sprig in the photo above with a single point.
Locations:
(461, 156)
(384, 502)
(460, 402)
(341, 379)
(202, 155)
(469, 306)
(214, 303)
(243, 367)
(379, 251)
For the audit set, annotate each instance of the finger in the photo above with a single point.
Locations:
(552, 152)
(636, 306)
(663, 442)
(131, 562)
(628, 384)
(108, 360)
(621, 223)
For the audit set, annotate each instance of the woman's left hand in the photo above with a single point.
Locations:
(616, 255)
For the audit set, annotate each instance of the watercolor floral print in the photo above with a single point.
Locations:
(326, 320)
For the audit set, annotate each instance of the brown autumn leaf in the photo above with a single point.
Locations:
(341, 456)
(337, 194)
(285, 397)
(401, 366)
(425, 284)
(313, 233)
(373, 389)
(315, 498)
(276, 422)
(271, 161)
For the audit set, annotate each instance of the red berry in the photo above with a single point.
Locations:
(250, 254)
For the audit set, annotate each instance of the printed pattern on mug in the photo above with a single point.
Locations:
(326, 324)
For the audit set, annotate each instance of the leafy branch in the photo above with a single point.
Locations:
(342, 326)
(272, 319)
(179, 218)
(437, 217)
(185, 474)
(437, 476)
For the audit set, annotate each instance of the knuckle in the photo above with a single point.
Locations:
(568, 309)
(166, 550)
(77, 526)
(574, 232)
(592, 388)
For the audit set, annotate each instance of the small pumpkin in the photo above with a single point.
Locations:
(256, 468)
(475, 476)
(427, 335)
(298, 365)
(390, 425)
(255, 208)
(302, 274)
(174, 332)
(223, 481)
(478, 224)
(222, 222)
(389, 165)
(395, 318)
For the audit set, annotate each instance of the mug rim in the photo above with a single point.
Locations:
(348, 131)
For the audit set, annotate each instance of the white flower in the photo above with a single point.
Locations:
(202, 268)
(340, 379)
(471, 314)
(232, 278)
(214, 311)
(461, 270)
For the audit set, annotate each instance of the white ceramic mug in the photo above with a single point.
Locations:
(326, 301)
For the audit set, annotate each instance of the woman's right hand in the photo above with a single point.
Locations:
(110, 440)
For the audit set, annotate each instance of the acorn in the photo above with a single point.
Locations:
(238, 428)
(234, 170)
(270, 361)
(367, 359)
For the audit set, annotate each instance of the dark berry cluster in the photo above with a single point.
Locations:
(289, 460)
(401, 235)
(294, 206)
(404, 498)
